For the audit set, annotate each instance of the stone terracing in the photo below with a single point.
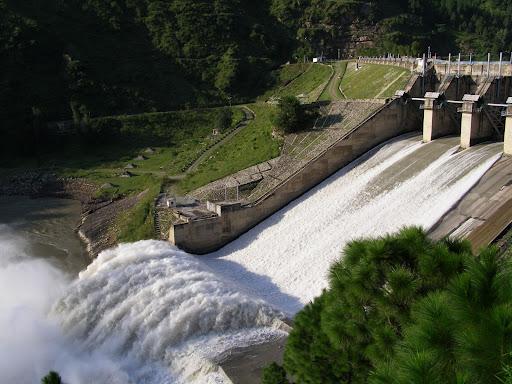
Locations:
(336, 120)
(303, 147)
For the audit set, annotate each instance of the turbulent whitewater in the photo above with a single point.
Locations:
(150, 313)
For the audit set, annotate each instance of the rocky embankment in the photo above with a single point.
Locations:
(97, 227)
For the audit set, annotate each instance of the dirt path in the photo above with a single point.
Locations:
(248, 116)
(333, 87)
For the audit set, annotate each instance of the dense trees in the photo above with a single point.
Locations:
(459, 335)
(399, 26)
(130, 56)
(356, 323)
(403, 309)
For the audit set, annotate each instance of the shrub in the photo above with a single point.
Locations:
(274, 374)
(51, 378)
(357, 322)
(290, 114)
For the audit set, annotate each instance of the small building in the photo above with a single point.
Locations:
(318, 59)
(181, 201)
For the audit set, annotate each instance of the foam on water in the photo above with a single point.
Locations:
(285, 259)
(149, 313)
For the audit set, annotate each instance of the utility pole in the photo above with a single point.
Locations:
(339, 54)
(501, 59)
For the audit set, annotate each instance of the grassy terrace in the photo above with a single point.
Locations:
(253, 145)
(300, 79)
(373, 81)
(332, 91)
(177, 139)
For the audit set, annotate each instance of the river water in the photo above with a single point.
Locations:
(47, 227)
(149, 313)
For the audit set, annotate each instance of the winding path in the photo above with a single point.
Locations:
(248, 117)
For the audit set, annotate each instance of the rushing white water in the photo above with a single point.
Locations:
(149, 313)
(285, 259)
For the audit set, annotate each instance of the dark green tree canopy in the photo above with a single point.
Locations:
(290, 114)
(51, 378)
(357, 322)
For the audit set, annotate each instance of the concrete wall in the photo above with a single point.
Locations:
(437, 123)
(508, 133)
(479, 69)
(470, 126)
(203, 236)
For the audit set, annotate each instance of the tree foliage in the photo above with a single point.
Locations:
(51, 378)
(132, 56)
(274, 374)
(404, 309)
(290, 114)
(357, 322)
(462, 334)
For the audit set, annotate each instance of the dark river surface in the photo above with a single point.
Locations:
(48, 226)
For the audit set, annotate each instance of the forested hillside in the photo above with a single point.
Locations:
(64, 59)
(398, 26)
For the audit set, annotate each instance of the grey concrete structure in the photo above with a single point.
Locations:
(436, 119)
(232, 219)
(508, 129)
(470, 129)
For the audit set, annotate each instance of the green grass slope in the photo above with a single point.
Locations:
(310, 83)
(373, 81)
(332, 91)
(252, 145)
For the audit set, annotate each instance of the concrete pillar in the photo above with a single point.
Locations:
(432, 118)
(507, 147)
(470, 121)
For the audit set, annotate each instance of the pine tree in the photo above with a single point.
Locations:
(462, 334)
(274, 374)
(355, 325)
(51, 378)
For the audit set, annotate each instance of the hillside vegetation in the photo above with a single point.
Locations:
(404, 309)
(373, 81)
(78, 58)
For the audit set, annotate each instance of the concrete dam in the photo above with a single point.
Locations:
(149, 312)
(165, 316)
(473, 107)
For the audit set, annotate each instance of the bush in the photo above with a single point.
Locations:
(51, 378)
(290, 114)
(357, 322)
(224, 119)
(274, 374)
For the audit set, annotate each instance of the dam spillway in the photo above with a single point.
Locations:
(147, 312)
(285, 259)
